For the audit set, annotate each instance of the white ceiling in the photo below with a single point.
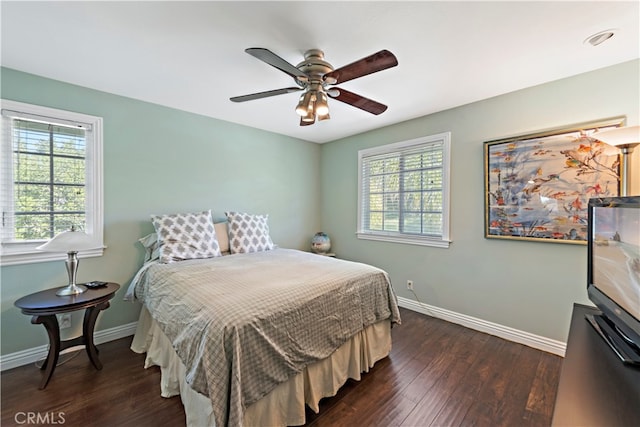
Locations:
(190, 55)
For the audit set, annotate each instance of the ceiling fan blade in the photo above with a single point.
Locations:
(265, 94)
(274, 60)
(358, 101)
(371, 64)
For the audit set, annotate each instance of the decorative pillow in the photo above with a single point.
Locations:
(186, 236)
(248, 233)
(150, 243)
(222, 234)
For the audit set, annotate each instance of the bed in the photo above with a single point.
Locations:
(251, 337)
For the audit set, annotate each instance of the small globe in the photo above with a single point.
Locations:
(320, 243)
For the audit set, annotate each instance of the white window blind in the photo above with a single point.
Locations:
(403, 191)
(50, 180)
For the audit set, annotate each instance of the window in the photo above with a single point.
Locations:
(403, 192)
(51, 179)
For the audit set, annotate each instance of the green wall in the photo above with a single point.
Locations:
(161, 160)
(528, 286)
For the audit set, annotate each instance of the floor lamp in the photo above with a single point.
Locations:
(625, 138)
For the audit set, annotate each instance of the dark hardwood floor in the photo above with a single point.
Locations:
(438, 374)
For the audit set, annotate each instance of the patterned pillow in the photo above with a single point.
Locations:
(186, 236)
(248, 233)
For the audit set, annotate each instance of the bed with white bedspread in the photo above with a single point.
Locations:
(249, 328)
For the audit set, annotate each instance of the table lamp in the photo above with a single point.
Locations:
(625, 138)
(70, 241)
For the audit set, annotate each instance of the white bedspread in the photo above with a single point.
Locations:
(242, 324)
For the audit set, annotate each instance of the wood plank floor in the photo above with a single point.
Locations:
(438, 374)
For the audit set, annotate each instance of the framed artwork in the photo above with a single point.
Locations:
(537, 186)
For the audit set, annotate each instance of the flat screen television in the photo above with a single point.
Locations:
(613, 275)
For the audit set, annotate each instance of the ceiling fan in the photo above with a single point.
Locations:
(314, 76)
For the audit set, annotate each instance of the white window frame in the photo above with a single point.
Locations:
(25, 252)
(398, 237)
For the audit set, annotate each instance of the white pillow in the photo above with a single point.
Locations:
(222, 234)
(248, 233)
(186, 236)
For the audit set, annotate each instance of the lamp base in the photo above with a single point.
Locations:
(72, 289)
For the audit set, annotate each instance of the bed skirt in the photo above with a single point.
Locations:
(284, 405)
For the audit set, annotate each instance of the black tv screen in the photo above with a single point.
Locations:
(614, 272)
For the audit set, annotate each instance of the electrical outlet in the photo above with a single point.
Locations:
(410, 284)
(64, 320)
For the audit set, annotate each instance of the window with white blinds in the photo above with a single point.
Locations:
(50, 180)
(403, 191)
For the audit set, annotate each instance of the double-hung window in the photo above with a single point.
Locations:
(50, 181)
(403, 191)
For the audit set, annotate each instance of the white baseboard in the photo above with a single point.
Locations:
(32, 355)
(515, 335)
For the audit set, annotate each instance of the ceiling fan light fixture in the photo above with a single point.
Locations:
(322, 106)
(309, 117)
(305, 102)
(323, 117)
(311, 107)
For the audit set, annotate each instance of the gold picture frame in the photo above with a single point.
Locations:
(537, 186)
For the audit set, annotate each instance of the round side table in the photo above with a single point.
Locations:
(44, 306)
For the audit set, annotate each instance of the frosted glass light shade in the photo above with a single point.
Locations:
(322, 107)
(624, 137)
(68, 241)
(305, 104)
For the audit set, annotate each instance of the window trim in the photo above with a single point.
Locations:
(412, 239)
(14, 253)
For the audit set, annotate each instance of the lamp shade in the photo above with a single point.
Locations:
(625, 138)
(628, 136)
(68, 241)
